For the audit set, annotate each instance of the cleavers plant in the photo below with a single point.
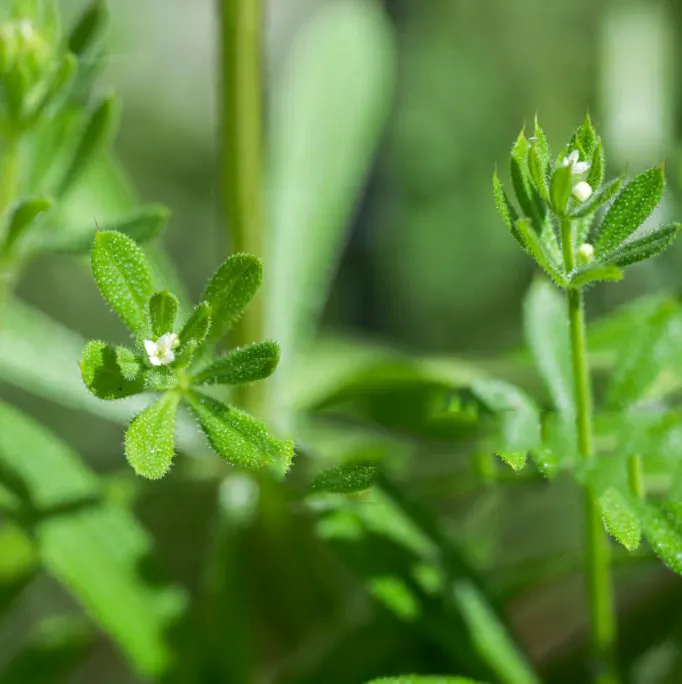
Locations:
(179, 361)
(581, 229)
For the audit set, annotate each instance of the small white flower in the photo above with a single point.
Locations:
(586, 253)
(161, 353)
(577, 167)
(582, 191)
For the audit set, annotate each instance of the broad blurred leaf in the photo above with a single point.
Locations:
(123, 277)
(93, 549)
(150, 438)
(242, 365)
(23, 215)
(88, 27)
(323, 141)
(230, 291)
(422, 679)
(629, 210)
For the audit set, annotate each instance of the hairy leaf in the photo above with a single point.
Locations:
(123, 277)
(105, 376)
(644, 247)
(629, 210)
(150, 438)
(620, 519)
(506, 209)
(163, 307)
(242, 365)
(533, 245)
(526, 195)
(595, 273)
(345, 479)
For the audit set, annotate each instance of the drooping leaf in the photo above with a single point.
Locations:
(595, 273)
(424, 679)
(23, 215)
(546, 330)
(88, 27)
(345, 479)
(242, 365)
(96, 133)
(644, 247)
(533, 245)
(238, 437)
(620, 520)
(629, 210)
(506, 209)
(103, 374)
(663, 535)
(230, 291)
(163, 307)
(123, 277)
(150, 438)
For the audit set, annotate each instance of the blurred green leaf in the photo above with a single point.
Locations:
(424, 679)
(321, 151)
(96, 133)
(662, 533)
(345, 479)
(163, 308)
(88, 27)
(150, 438)
(23, 215)
(629, 210)
(123, 277)
(236, 436)
(230, 291)
(646, 246)
(103, 375)
(242, 365)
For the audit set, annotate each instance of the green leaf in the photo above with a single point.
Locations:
(57, 90)
(23, 215)
(533, 245)
(595, 175)
(538, 165)
(97, 131)
(242, 365)
(238, 437)
(321, 153)
(122, 274)
(560, 188)
(424, 679)
(663, 535)
(526, 195)
(230, 291)
(595, 273)
(644, 247)
(619, 518)
(88, 27)
(94, 550)
(197, 325)
(104, 376)
(585, 138)
(506, 209)
(163, 307)
(629, 210)
(345, 479)
(598, 198)
(150, 439)
(546, 330)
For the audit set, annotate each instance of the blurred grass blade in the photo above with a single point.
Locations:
(327, 117)
(93, 549)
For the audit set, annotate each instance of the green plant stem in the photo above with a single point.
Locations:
(240, 118)
(599, 581)
(636, 476)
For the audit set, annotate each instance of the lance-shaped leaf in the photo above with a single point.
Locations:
(230, 290)
(197, 325)
(595, 175)
(238, 437)
(536, 249)
(122, 274)
(163, 308)
(526, 195)
(646, 246)
(105, 376)
(97, 132)
(662, 533)
(150, 438)
(598, 199)
(57, 90)
(142, 225)
(629, 210)
(560, 188)
(243, 365)
(23, 215)
(345, 479)
(88, 27)
(585, 138)
(506, 209)
(620, 519)
(595, 273)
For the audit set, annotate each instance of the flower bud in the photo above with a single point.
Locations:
(585, 254)
(582, 191)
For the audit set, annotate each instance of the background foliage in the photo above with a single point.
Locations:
(243, 579)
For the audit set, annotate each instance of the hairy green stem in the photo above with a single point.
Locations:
(599, 581)
(240, 119)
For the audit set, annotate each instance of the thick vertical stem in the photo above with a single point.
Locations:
(240, 120)
(599, 582)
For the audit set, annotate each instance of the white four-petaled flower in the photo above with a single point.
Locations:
(161, 352)
(577, 167)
